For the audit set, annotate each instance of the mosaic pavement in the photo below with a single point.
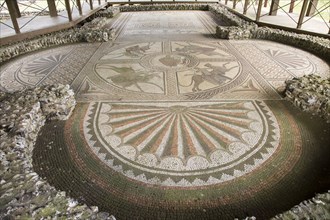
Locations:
(173, 123)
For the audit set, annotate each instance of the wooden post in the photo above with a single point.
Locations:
(291, 6)
(99, 2)
(13, 14)
(274, 7)
(259, 10)
(302, 14)
(265, 4)
(79, 7)
(311, 7)
(18, 12)
(52, 8)
(246, 4)
(68, 9)
(91, 4)
(226, 1)
(234, 4)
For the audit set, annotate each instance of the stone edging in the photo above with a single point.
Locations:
(163, 7)
(315, 208)
(242, 29)
(316, 45)
(24, 194)
(310, 93)
(92, 31)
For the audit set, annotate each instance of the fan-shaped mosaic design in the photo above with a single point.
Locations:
(287, 59)
(183, 140)
(42, 66)
(56, 65)
(33, 72)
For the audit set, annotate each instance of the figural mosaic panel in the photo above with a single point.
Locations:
(186, 70)
(149, 67)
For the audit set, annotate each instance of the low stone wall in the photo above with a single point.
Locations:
(109, 12)
(164, 7)
(92, 31)
(25, 195)
(241, 29)
(310, 93)
(316, 45)
(315, 208)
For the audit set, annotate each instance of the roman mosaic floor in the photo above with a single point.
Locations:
(172, 123)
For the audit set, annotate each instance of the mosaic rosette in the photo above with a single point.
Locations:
(182, 144)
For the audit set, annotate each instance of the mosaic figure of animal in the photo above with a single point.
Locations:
(215, 76)
(129, 77)
(137, 50)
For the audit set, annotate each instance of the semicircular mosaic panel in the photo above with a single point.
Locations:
(171, 156)
(191, 144)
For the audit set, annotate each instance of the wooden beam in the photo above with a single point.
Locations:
(259, 10)
(234, 4)
(79, 7)
(13, 14)
(274, 7)
(91, 4)
(302, 14)
(246, 4)
(52, 8)
(311, 7)
(291, 6)
(68, 9)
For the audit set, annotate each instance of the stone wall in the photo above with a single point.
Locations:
(315, 208)
(316, 45)
(92, 31)
(164, 7)
(310, 93)
(25, 195)
(109, 12)
(241, 29)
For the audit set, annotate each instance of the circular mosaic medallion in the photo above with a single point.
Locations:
(190, 144)
(169, 61)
